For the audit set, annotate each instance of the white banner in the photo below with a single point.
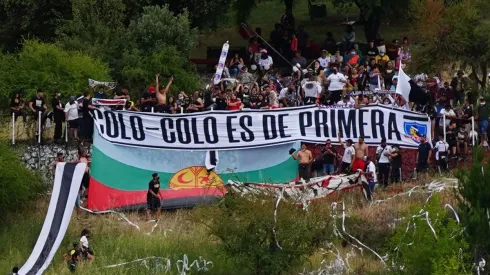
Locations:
(92, 83)
(108, 102)
(231, 130)
(221, 63)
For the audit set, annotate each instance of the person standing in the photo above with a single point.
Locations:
(38, 107)
(383, 153)
(442, 148)
(361, 151)
(58, 116)
(305, 158)
(71, 116)
(59, 158)
(348, 157)
(329, 156)
(396, 164)
(371, 173)
(153, 197)
(424, 155)
(482, 116)
(336, 82)
(88, 123)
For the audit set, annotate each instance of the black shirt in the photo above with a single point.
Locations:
(56, 102)
(208, 98)
(329, 158)
(14, 104)
(397, 161)
(372, 52)
(482, 112)
(221, 104)
(153, 186)
(146, 107)
(38, 103)
(85, 109)
(424, 150)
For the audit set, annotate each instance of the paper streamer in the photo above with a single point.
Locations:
(221, 63)
(112, 212)
(275, 218)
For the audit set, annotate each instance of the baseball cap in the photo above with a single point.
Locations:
(72, 98)
(151, 89)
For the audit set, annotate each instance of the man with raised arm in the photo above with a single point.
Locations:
(161, 95)
(305, 158)
(361, 151)
(348, 157)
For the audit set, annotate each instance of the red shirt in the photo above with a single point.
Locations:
(236, 107)
(254, 47)
(294, 44)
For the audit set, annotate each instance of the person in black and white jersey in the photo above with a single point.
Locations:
(441, 148)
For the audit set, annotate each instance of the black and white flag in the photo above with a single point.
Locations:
(67, 182)
(407, 88)
(211, 160)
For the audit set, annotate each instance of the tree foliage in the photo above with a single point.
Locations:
(452, 32)
(46, 66)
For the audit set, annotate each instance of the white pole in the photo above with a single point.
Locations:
(39, 128)
(212, 109)
(181, 110)
(444, 126)
(152, 109)
(66, 131)
(13, 128)
(473, 130)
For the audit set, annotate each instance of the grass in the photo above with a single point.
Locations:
(115, 241)
(268, 13)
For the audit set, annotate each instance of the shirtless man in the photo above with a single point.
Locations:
(305, 158)
(161, 95)
(361, 151)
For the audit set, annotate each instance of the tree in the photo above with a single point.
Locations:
(452, 32)
(30, 19)
(158, 26)
(47, 66)
(373, 12)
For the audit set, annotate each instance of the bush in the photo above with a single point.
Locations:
(418, 251)
(46, 66)
(18, 185)
(245, 229)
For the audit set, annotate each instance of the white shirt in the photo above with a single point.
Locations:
(336, 82)
(84, 241)
(282, 93)
(441, 147)
(448, 120)
(266, 63)
(350, 104)
(72, 110)
(348, 154)
(420, 79)
(372, 168)
(324, 61)
(313, 91)
(380, 151)
(273, 100)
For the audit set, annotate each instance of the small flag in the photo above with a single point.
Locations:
(409, 90)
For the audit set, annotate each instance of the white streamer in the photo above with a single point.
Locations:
(430, 225)
(454, 211)
(112, 212)
(275, 218)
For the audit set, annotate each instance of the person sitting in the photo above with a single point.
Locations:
(84, 246)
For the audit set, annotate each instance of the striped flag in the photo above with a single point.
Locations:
(66, 186)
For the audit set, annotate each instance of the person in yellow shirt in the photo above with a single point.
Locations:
(382, 59)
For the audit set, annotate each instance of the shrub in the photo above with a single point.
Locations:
(245, 229)
(46, 66)
(18, 185)
(418, 251)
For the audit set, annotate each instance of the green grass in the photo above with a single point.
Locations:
(268, 13)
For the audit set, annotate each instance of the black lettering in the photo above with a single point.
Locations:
(195, 133)
(348, 126)
(377, 123)
(137, 126)
(362, 123)
(304, 122)
(230, 129)
(321, 122)
(248, 135)
(101, 117)
(111, 123)
(392, 127)
(272, 124)
(211, 138)
(183, 131)
(283, 127)
(123, 127)
(167, 124)
(333, 124)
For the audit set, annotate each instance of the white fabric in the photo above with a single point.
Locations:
(266, 63)
(446, 113)
(225, 130)
(351, 103)
(372, 168)
(273, 98)
(84, 241)
(403, 87)
(283, 93)
(72, 110)
(349, 153)
(441, 147)
(314, 91)
(221, 63)
(324, 61)
(336, 82)
(382, 152)
(92, 83)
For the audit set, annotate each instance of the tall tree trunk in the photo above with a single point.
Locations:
(484, 72)
(371, 26)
